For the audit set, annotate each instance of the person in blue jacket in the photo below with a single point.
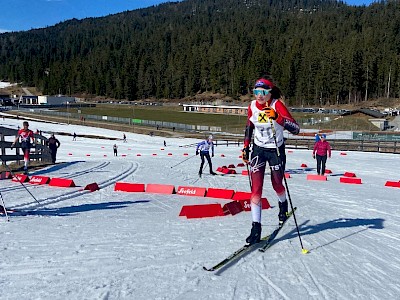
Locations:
(204, 149)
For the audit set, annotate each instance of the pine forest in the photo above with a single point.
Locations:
(318, 52)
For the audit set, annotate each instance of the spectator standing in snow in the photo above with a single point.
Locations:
(115, 148)
(53, 144)
(322, 150)
(203, 148)
(124, 138)
(267, 117)
(74, 138)
(26, 136)
(165, 144)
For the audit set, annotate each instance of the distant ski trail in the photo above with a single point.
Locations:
(73, 175)
(73, 194)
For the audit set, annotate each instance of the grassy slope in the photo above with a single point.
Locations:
(229, 123)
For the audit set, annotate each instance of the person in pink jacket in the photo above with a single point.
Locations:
(322, 150)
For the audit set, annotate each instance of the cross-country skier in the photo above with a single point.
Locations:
(26, 136)
(322, 150)
(268, 136)
(115, 148)
(53, 144)
(204, 149)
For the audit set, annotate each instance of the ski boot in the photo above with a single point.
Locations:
(26, 170)
(213, 173)
(255, 234)
(200, 173)
(283, 210)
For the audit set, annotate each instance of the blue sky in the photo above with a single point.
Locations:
(17, 15)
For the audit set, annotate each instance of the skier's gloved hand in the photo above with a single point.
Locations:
(197, 152)
(246, 154)
(12, 146)
(313, 156)
(271, 113)
(212, 155)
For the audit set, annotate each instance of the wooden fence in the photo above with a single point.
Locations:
(41, 151)
(349, 145)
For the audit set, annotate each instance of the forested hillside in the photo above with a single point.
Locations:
(317, 51)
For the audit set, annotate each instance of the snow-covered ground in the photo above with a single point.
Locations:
(4, 84)
(118, 245)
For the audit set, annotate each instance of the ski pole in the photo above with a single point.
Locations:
(4, 207)
(248, 175)
(205, 165)
(183, 161)
(303, 250)
(13, 175)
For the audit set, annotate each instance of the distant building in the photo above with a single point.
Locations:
(28, 100)
(5, 100)
(55, 100)
(44, 100)
(215, 109)
(365, 111)
(382, 124)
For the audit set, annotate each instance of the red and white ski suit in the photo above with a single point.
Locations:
(264, 148)
(26, 136)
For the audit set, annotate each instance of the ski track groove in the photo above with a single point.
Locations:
(74, 194)
(78, 173)
(314, 280)
(84, 172)
(274, 286)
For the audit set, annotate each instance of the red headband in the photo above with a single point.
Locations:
(264, 83)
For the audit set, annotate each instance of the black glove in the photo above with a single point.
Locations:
(197, 152)
(246, 154)
(212, 155)
(12, 146)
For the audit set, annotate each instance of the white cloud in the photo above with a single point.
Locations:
(4, 30)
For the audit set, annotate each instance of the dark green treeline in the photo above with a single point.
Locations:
(318, 51)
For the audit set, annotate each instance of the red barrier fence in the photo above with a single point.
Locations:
(220, 193)
(351, 180)
(202, 211)
(62, 182)
(92, 187)
(129, 187)
(317, 177)
(191, 191)
(20, 178)
(160, 188)
(39, 180)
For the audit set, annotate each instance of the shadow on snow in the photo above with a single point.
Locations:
(73, 210)
(56, 167)
(334, 224)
